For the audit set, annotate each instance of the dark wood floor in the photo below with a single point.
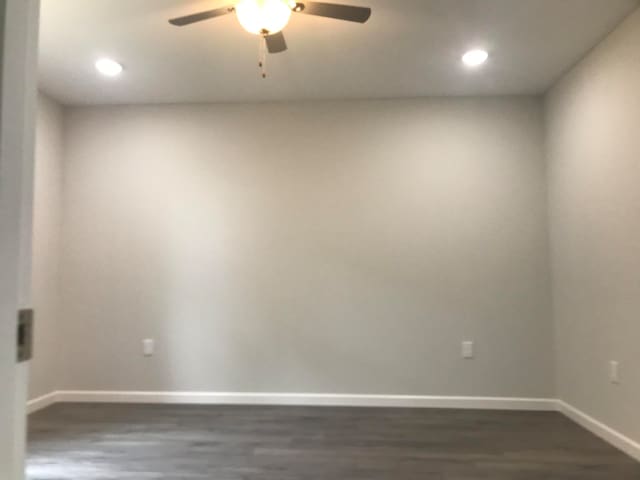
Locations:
(127, 442)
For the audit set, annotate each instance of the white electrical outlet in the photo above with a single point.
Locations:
(614, 371)
(148, 347)
(467, 349)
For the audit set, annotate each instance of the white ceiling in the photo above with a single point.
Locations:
(408, 48)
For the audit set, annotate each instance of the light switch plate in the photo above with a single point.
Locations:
(148, 347)
(467, 350)
(614, 371)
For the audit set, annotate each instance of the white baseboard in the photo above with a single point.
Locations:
(608, 434)
(42, 402)
(404, 401)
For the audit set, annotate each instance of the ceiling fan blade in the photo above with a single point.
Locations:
(276, 43)
(332, 10)
(199, 17)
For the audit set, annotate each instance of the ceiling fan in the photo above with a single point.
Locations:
(269, 17)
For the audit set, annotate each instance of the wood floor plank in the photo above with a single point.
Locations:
(127, 442)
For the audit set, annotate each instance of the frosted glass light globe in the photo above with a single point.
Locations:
(263, 16)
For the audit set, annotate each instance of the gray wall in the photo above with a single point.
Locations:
(593, 125)
(47, 224)
(343, 247)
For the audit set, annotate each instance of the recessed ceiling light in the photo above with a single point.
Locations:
(475, 58)
(108, 67)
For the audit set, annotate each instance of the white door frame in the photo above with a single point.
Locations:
(18, 93)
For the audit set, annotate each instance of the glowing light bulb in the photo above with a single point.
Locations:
(262, 17)
(475, 58)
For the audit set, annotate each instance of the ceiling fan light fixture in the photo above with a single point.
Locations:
(262, 17)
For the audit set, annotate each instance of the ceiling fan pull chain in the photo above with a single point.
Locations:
(262, 60)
